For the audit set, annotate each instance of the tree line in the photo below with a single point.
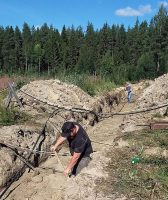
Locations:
(112, 52)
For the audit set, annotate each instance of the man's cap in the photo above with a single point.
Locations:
(67, 128)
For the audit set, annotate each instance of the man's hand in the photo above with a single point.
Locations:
(53, 148)
(72, 163)
(58, 143)
(67, 172)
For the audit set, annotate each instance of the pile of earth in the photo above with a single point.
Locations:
(155, 94)
(55, 92)
(45, 96)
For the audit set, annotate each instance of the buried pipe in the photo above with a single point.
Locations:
(19, 156)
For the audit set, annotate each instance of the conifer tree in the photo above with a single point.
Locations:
(27, 45)
(159, 37)
(1, 44)
(18, 50)
(8, 50)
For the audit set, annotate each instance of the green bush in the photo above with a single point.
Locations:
(20, 84)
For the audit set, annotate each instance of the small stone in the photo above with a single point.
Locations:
(37, 179)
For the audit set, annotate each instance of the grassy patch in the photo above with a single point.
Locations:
(3, 94)
(11, 116)
(157, 115)
(145, 180)
(93, 85)
(90, 84)
(148, 138)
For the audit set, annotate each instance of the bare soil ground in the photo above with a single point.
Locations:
(50, 182)
(110, 174)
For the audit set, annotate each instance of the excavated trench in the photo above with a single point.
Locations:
(18, 141)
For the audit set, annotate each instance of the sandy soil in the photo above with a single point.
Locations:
(50, 183)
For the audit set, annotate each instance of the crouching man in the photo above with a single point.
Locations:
(79, 145)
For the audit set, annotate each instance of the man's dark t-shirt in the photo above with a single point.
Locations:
(80, 143)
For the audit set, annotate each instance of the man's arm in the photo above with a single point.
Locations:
(59, 142)
(72, 163)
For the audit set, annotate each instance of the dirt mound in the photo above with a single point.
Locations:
(155, 94)
(55, 92)
(45, 96)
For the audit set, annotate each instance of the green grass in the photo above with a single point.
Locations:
(12, 116)
(3, 94)
(93, 85)
(151, 138)
(157, 115)
(145, 180)
(90, 84)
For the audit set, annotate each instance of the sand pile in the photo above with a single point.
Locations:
(55, 92)
(155, 94)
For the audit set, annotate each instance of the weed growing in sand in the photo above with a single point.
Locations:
(157, 115)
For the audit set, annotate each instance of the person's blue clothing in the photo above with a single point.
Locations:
(129, 90)
(129, 96)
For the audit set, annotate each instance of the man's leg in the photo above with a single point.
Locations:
(80, 165)
(129, 97)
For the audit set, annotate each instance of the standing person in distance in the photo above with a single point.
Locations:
(128, 88)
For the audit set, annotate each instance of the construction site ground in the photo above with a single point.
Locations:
(50, 183)
(111, 174)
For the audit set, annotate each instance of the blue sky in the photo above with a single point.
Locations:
(77, 12)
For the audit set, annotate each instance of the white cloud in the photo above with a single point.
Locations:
(37, 27)
(128, 11)
(164, 3)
